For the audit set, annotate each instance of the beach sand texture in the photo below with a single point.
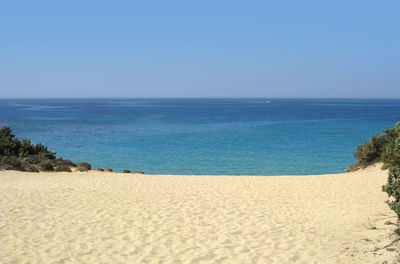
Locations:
(99, 217)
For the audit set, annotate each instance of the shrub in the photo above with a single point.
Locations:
(46, 166)
(353, 167)
(63, 168)
(391, 153)
(13, 163)
(386, 149)
(392, 188)
(374, 150)
(7, 167)
(34, 159)
(100, 169)
(391, 157)
(27, 149)
(126, 171)
(22, 155)
(138, 172)
(397, 231)
(69, 163)
(30, 168)
(9, 145)
(109, 170)
(85, 165)
(384, 166)
(56, 162)
(82, 169)
(371, 151)
(62, 162)
(43, 152)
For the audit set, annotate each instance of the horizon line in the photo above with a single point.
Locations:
(264, 98)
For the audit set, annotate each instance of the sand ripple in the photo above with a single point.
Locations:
(100, 217)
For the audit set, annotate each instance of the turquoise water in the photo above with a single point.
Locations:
(203, 136)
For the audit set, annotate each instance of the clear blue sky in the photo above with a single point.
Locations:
(200, 49)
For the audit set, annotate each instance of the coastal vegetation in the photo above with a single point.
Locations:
(373, 151)
(386, 149)
(22, 155)
(84, 165)
(391, 157)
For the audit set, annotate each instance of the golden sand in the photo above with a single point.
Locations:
(100, 217)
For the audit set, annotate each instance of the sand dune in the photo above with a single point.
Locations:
(99, 217)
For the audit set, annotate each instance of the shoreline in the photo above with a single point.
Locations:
(99, 216)
(95, 170)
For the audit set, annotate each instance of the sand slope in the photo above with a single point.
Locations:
(99, 217)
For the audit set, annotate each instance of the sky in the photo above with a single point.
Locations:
(268, 49)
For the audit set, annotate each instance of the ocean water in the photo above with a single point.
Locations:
(203, 136)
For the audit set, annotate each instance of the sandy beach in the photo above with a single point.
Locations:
(100, 217)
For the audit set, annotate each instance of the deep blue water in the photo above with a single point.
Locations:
(203, 136)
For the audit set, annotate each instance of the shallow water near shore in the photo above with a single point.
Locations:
(203, 136)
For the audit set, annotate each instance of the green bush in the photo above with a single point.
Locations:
(11, 163)
(82, 169)
(391, 153)
(25, 156)
(63, 162)
(62, 168)
(85, 165)
(34, 159)
(46, 165)
(354, 167)
(375, 150)
(384, 166)
(30, 168)
(371, 151)
(7, 167)
(386, 149)
(391, 157)
(12, 146)
(392, 188)
(9, 145)
(68, 162)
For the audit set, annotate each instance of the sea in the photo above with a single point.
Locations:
(241, 136)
